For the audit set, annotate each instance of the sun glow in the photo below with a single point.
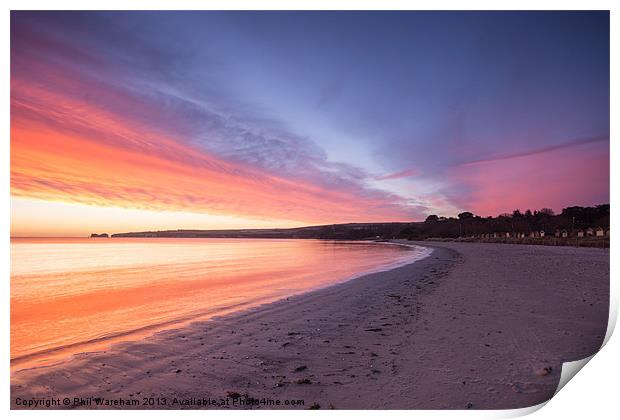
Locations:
(31, 218)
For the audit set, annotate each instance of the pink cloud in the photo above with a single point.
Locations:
(553, 178)
(397, 175)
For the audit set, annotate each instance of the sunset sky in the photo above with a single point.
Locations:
(161, 120)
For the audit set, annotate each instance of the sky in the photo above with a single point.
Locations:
(128, 121)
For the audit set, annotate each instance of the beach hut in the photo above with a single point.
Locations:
(558, 233)
(508, 234)
(589, 232)
(564, 233)
(607, 233)
(600, 231)
(580, 233)
(542, 233)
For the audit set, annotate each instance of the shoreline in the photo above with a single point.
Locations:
(53, 356)
(411, 332)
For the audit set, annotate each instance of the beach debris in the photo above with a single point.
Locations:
(544, 371)
(301, 368)
(469, 405)
(315, 406)
(374, 329)
(521, 388)
(233, 395)
(304, 381)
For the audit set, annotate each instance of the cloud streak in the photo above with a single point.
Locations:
(547, 149)
(398, 175)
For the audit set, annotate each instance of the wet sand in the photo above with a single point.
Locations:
(472, 326)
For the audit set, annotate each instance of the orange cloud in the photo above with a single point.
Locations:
(64, 149)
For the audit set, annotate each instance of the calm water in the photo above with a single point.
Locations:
(73, 295)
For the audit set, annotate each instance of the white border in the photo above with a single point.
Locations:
(593, 394)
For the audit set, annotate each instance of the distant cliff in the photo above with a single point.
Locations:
(341, 231)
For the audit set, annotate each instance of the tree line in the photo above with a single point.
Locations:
(570, 219)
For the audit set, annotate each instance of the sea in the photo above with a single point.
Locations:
(75, 295)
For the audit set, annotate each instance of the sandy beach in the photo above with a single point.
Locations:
(480, 326)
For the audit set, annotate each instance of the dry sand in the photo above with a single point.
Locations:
(472, 326)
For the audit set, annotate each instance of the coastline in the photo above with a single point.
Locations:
(470, 326)
(54, 355)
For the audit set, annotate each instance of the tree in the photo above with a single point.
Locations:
(432, 218)
(466, 215)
